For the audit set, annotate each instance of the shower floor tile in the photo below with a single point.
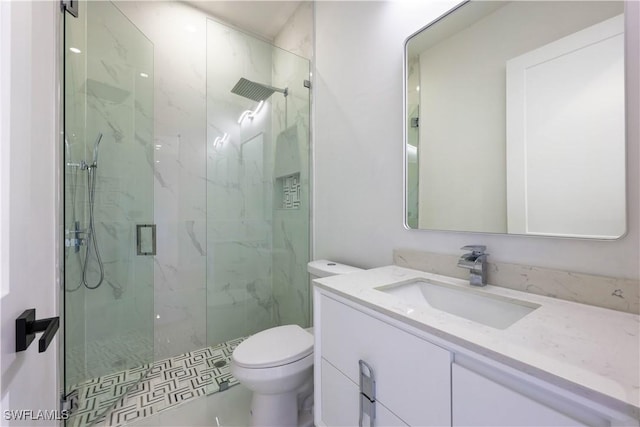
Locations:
(167, 384)
(229, 409)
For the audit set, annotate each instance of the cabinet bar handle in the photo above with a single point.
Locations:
(367, 394)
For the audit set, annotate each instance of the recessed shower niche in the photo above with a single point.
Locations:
(288, 191)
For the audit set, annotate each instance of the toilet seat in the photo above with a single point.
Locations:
(274, 347)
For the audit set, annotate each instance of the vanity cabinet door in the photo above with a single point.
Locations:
(340, 404)
(413, 376)
(480, 401)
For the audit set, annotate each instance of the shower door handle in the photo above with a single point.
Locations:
(146, 239)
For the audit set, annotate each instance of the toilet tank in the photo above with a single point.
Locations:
(325, 268)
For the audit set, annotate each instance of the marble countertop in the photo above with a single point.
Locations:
(590, 351)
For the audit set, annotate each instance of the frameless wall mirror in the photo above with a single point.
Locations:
(515, 120)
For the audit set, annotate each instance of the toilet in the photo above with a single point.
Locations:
(277, 366)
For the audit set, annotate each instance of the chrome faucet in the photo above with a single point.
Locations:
(476, 262)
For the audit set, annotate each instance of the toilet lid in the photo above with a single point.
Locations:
(274, 347)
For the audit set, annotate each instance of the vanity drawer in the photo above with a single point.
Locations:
(483, 402)
(340, 401)
(412, 375)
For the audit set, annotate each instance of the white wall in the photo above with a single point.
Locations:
(358, 149)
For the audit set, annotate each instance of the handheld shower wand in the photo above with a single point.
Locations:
(91, 231)
(95, 150)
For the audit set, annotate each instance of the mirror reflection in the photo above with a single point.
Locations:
(515, 120)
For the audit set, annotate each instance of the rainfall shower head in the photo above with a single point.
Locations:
(255, 91)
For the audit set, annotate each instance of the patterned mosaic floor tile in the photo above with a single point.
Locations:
(153, 387)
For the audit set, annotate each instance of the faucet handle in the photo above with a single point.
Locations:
(475, 249)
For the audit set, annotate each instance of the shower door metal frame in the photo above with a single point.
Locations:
(66, 401)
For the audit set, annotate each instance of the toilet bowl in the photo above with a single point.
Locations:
(277, 366)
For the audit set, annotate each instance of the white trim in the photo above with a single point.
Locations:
(5, 147)
(5, 118)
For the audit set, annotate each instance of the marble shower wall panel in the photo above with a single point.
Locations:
(181, 321)
(239, 188)
(119, 106)
(290, 71)
(297, 34)
(290, 257)
(106, 93)
(179, 161)
(291, 226)
(240, 300)
(257, 183)
(213, 206)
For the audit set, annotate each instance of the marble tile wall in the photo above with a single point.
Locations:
(239, 188)
(608, 292)
(178, 33)
(275, 240)
(291, 226)
(291, 246)
(107, 95)
(213, 197)
(296, 35)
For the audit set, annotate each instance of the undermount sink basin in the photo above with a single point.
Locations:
(491, 310)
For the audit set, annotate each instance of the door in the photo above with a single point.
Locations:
(108, 207)
(29, 147)
(557, 97)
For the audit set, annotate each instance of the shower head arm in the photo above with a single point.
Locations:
(284, 91)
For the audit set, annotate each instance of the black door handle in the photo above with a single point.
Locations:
(27, 326)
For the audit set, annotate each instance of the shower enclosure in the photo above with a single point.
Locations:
(186, 225)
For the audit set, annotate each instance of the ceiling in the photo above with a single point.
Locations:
(264, 18)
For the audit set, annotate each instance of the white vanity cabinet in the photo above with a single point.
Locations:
(424, 380)
(486, 397)
(412, 376)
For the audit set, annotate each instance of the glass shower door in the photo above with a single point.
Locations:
(108, 208)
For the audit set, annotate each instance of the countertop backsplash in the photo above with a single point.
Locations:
(601, 291)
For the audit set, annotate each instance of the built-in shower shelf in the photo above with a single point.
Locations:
(287, 192)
